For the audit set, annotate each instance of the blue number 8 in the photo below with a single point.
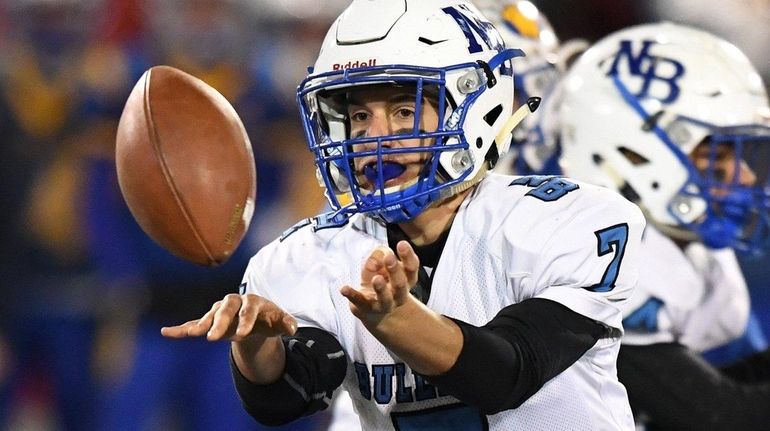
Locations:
(546, 188)
(614, 235)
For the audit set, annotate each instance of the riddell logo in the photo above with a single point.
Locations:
(355, 64)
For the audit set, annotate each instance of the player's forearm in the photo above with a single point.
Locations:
(753, 369)
(261, 360)
(509, 359)
(427, 341)
(313, 368)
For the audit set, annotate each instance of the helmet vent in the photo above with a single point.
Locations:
(629, 193)
(430, 42)
(493, 115)
(633, 157)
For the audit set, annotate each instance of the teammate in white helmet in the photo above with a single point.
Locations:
(535, 148)
(439, 295)
(677, 120)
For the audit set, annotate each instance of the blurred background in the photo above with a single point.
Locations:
(83, 291)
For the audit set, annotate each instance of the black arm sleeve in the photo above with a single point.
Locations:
(506, 361)
(675, 389)
(315, 367)
(753, 369)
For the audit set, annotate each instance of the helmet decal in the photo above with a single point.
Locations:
(471, 24)
(649, 69)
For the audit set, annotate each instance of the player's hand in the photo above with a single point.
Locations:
(385, 283)
(235, 318)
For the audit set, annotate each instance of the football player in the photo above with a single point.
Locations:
(532, 151)
(677, 120)
(438, 294)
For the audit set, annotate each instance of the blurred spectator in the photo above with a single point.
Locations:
(49, 291)
(147, 379)
(591, 19)
(743, 22)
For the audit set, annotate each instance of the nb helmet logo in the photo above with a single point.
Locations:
(662, 74)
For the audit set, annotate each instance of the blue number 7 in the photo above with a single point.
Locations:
(614, 235)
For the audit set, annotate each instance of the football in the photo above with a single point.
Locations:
(185, 166)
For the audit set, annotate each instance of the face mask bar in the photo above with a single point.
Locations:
(737, 211)
(735, 184)
(335, 155)
(336, 158)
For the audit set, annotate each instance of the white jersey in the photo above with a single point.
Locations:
(344, 417)
(695, 296)
(513, 238)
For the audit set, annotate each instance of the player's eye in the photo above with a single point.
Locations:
(405, 113)
(359, 116)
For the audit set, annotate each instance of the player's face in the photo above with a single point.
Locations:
(718, 162)
(386, 111)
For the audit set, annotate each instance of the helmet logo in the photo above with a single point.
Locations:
(470, 23)
(355, 64)
(650, 69)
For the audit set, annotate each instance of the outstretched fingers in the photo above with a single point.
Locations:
(247, 316)
(373, 265)
(237, 317)
(355, 296)
(192, 328)
(410, 261)
(225, 318)
(399, 280)
(384, 292)
(272, 320)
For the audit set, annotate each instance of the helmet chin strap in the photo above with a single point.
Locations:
(517, 117)
(461, 187)
(513, 121)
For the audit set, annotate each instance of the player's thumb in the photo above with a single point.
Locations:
(289, 324)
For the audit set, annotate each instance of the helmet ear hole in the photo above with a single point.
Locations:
(493, 115)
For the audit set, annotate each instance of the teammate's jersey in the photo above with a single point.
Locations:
(695, 296)
(513, 238)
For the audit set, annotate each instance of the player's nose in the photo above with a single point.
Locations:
(746, 176)
(378, 126)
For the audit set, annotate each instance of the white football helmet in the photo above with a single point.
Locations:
(637, 104)
(442, 48)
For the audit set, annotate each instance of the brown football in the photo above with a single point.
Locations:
(185, 166)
